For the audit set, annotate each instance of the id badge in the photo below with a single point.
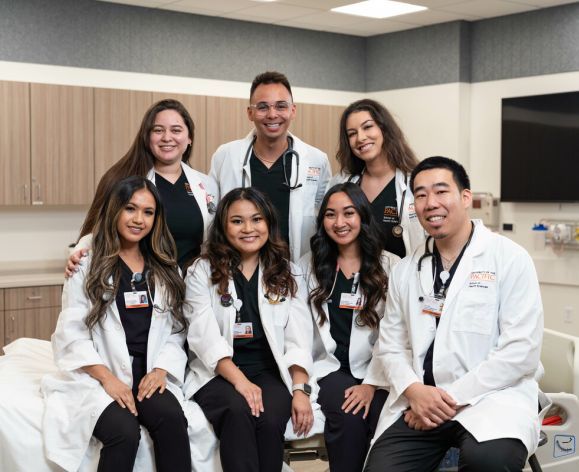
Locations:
(136, 299)
(243, 330)
(351, 301)
(432, 305)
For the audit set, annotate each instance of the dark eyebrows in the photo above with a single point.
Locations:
(369, 120)
(436, 185)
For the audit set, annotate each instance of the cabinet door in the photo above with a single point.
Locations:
(118, 116)
(31, 323)
(62, 144)
(32, 297)
(196, 105)
(14, 143)
(319, 125)
(226, 121)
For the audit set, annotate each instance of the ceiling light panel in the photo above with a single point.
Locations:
(379, 9)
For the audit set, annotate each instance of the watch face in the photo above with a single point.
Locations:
(307, 389)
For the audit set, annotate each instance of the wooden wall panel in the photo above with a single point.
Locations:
(226, 121)
(118, 116)
(14, 143)
(197, 107)
(62, 144)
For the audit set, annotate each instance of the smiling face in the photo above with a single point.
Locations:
(272, 124)
(441, 206)
(169, 138)
(137, 218)
(342, 221)
(246, 228)
(365, 137)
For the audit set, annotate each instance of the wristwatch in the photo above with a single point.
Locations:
(306, 388)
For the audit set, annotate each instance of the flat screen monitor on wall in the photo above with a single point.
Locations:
(540, 148)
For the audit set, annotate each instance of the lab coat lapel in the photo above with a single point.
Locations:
(244, 158)
(266, 310)
(199, 192)
(228, 314)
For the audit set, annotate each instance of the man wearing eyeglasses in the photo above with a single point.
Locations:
(291, 173)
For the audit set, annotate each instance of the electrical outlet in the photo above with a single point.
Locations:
(568, 314)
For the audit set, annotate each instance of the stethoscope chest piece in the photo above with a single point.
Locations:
(226, 300)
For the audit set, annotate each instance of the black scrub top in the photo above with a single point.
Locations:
(252, 355)
(385, 211)
(341, 321)
(136, 321)
(271, 182)
(183, 216)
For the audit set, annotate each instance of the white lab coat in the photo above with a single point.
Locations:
(413, 234)
(287, 326)
(362, 339)
(204, 190)
(227, 170)
(488, 341)
(74, 399)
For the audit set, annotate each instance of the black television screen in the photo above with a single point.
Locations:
(540, 148)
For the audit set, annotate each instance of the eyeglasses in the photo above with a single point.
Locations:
(262, 108)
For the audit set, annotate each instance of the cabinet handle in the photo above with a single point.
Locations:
(37, 200)
(33, 297)
(25, 193)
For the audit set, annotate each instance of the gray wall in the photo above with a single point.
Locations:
(86, 33)
(91, 34)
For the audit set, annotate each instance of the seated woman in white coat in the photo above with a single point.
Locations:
(251, 335)
(346, 276)
(374, 153)
(119, 342)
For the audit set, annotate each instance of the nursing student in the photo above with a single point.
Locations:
(250, 334)
(119, 342)
(373, 153)
(346, 277)
(160, 152)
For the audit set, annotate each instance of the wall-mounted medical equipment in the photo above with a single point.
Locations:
(485, 208)
(562, 234)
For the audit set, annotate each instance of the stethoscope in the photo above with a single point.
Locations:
(397, 229)
(444, 276)
(227, 300)
(289, 152)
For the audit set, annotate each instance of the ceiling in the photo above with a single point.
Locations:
(316, 14)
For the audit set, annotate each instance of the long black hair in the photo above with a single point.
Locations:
(373, 278)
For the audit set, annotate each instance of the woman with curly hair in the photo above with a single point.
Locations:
(119, 342)
(346, 277)
(251, 335)
(374, 153)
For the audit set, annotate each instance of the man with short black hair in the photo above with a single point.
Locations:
(293, 174)
(460, 341)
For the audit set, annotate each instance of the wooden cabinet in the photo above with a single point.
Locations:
(196, 105)
(14, 143)
(62, 144)
(226, 121)
(118, 116)
(318, 125)
(30, 312)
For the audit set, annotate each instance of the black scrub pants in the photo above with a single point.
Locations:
(347, 435)
(402, 449)
(119, 430)
(247, 443)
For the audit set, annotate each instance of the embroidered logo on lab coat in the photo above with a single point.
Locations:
(482, 279)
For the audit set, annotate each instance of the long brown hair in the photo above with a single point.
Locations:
(373, 278)
(157, 248)
(398, 152)
(273, 257)
(139, 159)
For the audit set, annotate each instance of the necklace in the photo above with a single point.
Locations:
(264, 160)
(447, 262)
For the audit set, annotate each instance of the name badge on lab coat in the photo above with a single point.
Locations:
(432, 305)
(136, 299)
(243, 330)
(350, 301)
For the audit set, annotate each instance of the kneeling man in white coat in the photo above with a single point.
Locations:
(460, 341)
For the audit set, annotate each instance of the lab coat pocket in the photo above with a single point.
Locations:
(475, 313)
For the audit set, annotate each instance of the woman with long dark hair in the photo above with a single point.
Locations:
(160, 152)
(251, 335)
(373, 153)
(346, 277)
(119, 342)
